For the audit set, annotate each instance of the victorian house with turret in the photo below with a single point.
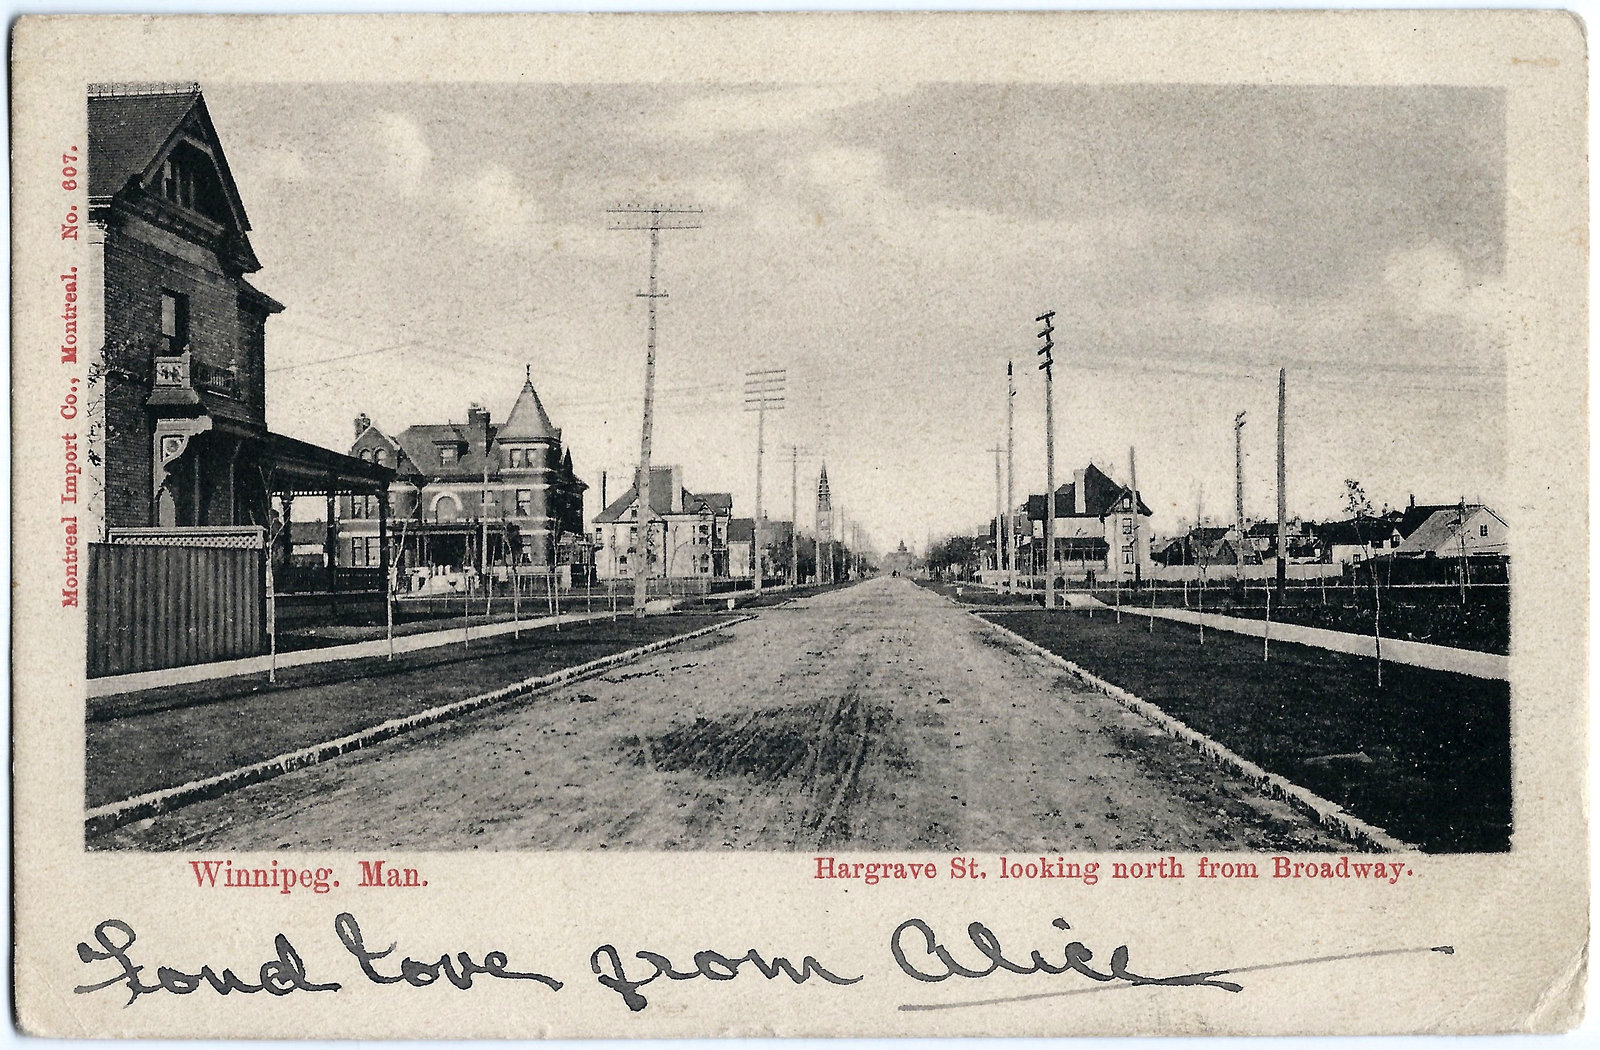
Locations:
(471, 498)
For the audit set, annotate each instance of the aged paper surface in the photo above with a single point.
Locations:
(278, 774)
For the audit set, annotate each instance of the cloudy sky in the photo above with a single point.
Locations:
(891, 249)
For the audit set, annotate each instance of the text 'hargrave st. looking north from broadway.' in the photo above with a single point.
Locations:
(888, 480)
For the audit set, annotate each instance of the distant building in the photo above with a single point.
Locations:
(1357, 539)
(1098, 528)
(688, 538)
(1208, 545)
(1470, 530)
(900, 560)
(530, 510)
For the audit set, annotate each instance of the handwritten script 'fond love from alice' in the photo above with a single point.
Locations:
(917, 951)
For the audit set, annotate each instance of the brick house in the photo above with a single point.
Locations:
(692, 531)
(530, 511)
(182, 387)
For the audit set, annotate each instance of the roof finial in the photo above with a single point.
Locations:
(528, 372)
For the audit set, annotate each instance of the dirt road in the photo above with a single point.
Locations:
(876, 717)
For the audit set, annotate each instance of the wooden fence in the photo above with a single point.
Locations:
(154, 606)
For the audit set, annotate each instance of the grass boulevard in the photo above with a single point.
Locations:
(1426, 756)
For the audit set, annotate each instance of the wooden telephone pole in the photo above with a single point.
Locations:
(762, 390)
(654, 219)
(999, 514)
(1046, 352)
(1011, 538)
(1283, 500)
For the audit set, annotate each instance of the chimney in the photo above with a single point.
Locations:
(676, 473)
(1413, 504)
(1079, 504)
(477, 416)
(363, 421)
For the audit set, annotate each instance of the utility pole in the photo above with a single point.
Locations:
(483, 506)
(1046, 352)
(1011, 539)
(1238, 487)
(1133, 480)
(1283, 504)
(1238, 471)
(762, 390)
(999, 513)
(655, 219)
(794, 516)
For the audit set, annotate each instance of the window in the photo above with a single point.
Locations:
(448, 453)
(366, 455)
(1127, 526)
(1127, 555)
(381, 457)
(524, 502)
(174, 322)
(1483, 530)
(177, 182)
(518, 457)
(374, 551)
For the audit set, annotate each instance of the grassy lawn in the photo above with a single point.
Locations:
(159, 738)
(972, 594)
(1427, 756)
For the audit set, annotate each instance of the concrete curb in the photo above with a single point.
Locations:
(115, 814)
(1329, 815)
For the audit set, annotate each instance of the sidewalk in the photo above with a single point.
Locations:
(144, 741)
(1395, 650)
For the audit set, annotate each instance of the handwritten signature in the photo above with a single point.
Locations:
(917, 950)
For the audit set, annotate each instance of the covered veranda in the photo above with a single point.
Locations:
(299, 470)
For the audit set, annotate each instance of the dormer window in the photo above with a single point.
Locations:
(449, 454)
(177, 182)
(189, 179)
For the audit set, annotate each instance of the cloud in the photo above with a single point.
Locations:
(495, 208)
(403, 149)
(738, 111)
(279, 164)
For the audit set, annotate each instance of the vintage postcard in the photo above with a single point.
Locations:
(804, 525)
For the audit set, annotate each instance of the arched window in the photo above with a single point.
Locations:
(381, 457)
(446, 508)
(366, 455)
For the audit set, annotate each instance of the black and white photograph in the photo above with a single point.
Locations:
(560, 504)
(373, 448)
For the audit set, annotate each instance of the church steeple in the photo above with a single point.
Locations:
(824, 499)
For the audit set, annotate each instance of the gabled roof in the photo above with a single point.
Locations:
(741, 530)
(1101, 497)
(1440, 528)
(132, 128)
(1355, 531)
(1416, 514)
(717, 503)
(528, 420)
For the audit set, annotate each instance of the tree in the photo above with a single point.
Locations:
(1356, 503)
